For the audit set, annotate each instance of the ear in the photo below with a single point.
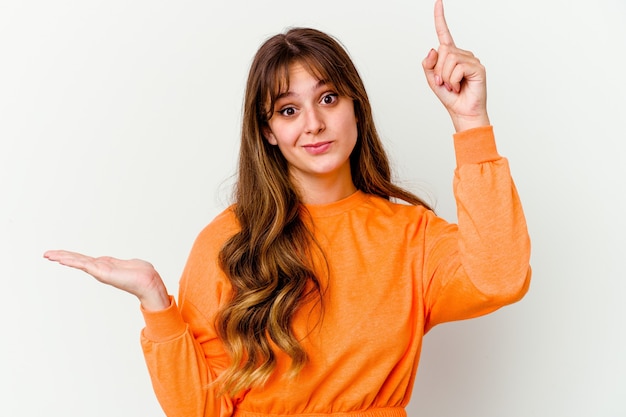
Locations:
(269, 136)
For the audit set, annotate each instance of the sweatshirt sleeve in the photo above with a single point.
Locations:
(482, 263)
(182, 350)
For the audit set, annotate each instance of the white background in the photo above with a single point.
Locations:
(119, 125)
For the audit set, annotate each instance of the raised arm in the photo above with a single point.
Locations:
(457, 78)
(482, 263)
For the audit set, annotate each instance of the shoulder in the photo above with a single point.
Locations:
(378, 206)
(398, 218)
(209, 242)
(220, 229)
(202, 274)
(224, 223)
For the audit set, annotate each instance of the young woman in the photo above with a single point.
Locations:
(311, 294)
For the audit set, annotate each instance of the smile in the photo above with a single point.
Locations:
(317, 148)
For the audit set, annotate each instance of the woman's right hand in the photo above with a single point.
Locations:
(133, 276)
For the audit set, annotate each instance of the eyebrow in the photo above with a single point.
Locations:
(319, 84)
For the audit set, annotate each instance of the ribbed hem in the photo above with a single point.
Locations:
(163, 325)
(475, 146)
(373, 412)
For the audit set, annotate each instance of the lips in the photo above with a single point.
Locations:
(317, 148)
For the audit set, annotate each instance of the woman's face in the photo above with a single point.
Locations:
(315, 129)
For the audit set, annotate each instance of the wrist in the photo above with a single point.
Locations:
(462, 123)
(156, 299)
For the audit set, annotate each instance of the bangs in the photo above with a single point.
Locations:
(277, 80)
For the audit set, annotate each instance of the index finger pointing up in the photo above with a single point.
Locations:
(443, 33)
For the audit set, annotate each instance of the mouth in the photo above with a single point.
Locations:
(317, 148)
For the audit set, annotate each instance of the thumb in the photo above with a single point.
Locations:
(429, 68)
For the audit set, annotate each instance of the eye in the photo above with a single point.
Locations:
(287, 111)
(330, 98)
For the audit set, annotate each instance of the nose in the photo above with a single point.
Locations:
(314, 121)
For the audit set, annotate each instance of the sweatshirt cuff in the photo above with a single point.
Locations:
(163, 325)
(475, 146)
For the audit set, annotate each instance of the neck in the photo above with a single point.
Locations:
(324, 190)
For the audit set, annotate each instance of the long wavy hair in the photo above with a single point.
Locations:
(270, 260)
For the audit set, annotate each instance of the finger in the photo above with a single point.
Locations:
(428, 64)
(443, 33)
(430, 61)
(456, 78)
(56, 255)
(447, 67)
(71, 259)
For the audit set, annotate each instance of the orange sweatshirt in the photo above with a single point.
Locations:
(395, 272)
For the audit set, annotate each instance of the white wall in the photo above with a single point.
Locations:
(118, 129)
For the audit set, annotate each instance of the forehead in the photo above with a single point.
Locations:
(303, 78)
(297, 69)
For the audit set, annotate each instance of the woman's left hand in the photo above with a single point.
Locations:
(457, 78)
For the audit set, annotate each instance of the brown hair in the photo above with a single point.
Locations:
(269, 262)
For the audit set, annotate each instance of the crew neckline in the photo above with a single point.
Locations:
(337, 207)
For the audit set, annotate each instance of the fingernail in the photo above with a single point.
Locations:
(437, 80)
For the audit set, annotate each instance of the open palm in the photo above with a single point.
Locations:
(134, 275)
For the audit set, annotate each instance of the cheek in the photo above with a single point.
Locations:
(350, 125)
(352, 130)
(288, 134)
